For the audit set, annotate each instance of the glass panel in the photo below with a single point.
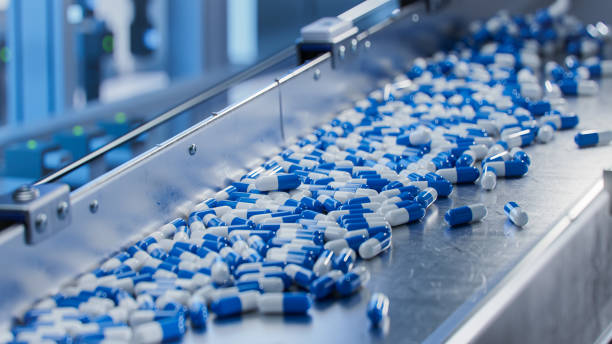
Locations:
(77, 74)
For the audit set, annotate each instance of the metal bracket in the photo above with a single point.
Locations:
(607, 178)
(331, 34)
(42, 209)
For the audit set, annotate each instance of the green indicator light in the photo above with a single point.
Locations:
(107, 43)
(77, 130)
(32, 144)
(5, 54)
(120, 117)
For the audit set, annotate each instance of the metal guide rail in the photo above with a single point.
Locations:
(438, 279)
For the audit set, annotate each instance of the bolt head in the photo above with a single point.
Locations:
(62, 209)
(193, 149)
(40, 223)
(93, 206)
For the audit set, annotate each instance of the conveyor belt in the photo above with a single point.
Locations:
(435, 275)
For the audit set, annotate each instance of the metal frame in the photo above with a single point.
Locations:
(165, 182)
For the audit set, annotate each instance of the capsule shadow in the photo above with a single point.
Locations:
(303, 319)
(229, 320)
(351, 300)
(458, 231)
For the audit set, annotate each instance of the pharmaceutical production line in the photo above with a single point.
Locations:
(487, 281)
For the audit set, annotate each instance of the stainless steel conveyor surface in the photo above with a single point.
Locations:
(435, 275)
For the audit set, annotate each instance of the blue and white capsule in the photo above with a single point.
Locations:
(511, 168)
(516, 214)
(238, 304)
(284, 303)
(375, 245)
(408, 214)
(345, 260)
(161, 330)
(459, 175)
(590, 138)
(352, 281)
(489, 178)
(281, 181)
(466, 214)
(378, 308)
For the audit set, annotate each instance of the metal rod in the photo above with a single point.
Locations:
(173, 112)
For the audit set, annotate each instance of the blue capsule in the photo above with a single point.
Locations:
(234, 305)
(281, 181)
(325, 285)
(466, 214)
(516, 214)
(345, 260)
(352, 281)
(378, 308)
(284, 303)
(589, 138)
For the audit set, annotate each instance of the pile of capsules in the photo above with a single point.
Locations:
(293, 229)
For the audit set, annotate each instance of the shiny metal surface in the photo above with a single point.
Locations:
(435, 276)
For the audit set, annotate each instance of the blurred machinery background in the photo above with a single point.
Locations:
(76, 74)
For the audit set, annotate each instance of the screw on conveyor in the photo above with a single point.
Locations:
(41, 223)
(317, 74)
(62, 209)
(342, 52)
(193, 149)
(25, 193)
(93, 206)
(353, 44)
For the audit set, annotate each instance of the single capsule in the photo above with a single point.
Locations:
(352, 281)
(284, 303)
(325, 285)
(589, 138)
(545, 133)
(300, 275)
(489, 178)
(459, 175)
(281, 181)
(338, 245)
(375, 245)
(426, 197)
(516, 214)
(378, 308)
(405, 215)
(198, 313)
(324, 263)
(161, 330)
(233, 305)
(520, 155)
(511, 168)
(466, 214)
(601, 68)
(345, 260)
(414, 138)
(571, 87)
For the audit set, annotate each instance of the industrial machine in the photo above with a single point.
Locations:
(486, 282)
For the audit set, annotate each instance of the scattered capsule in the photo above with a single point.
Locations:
(589, 138)
(375, 245)
(345, 260)
(489, 178)
(378, 308)
(516, 214)
(233, 305)
(352, 281)
(466, 214)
